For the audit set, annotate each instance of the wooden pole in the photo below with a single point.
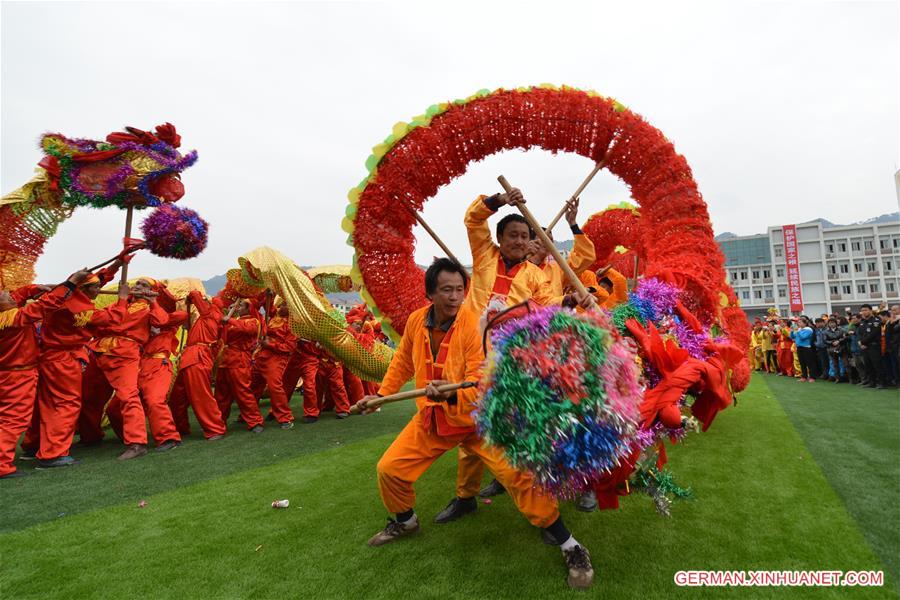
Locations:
(450, 387)
(430, 232)
(129, 217)
(548, 243)
(577, 193)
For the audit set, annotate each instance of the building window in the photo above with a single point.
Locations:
(777, 251)
(889, 286)
(768, 294)
(734, 275)
(779, 271)
(843, 246)
(861, 288)
(834, 289)
(845, 268)
(846, 289)
(782, 293)
(766, 273)
(755, 274)
(757, 294)
(832, 269)
(854, 245)
(895, 242)
(743, 275)
(745, 295)
(888, 265)
(869, 245)
(857, 267)
(829, 248)
(883, 243)
(871, 266)
(873, 287)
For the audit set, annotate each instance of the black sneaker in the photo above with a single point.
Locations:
(309, 420)
(581, 571)
(28, 455)
(458, 507)
(62, 461)
(587, 502)
(168, 445)
(258, 429)
(341, 415)
(492, 489)
(287, 425)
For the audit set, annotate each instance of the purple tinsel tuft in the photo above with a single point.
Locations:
(655, 298)
(174, 232)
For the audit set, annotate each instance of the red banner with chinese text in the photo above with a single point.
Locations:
(792, 261)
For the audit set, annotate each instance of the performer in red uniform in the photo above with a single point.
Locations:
(155, 376)
(118, 350)
(240, 334)
(271, 362)
(19, 359)
(64, 333)
(194, 381)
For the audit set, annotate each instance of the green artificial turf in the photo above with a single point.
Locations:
(207, 531)
(853, 433)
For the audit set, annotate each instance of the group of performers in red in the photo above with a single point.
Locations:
(64, 364)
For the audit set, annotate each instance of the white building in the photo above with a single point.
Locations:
(844, 266)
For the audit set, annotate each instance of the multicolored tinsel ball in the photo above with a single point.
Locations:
(174, 232)
(560, 397)
(654, 298)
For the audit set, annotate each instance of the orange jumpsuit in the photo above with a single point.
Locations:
(194, 381)
(493, 279)
(785, 346)
(330, 385)
(233, 377)
(64, 333)
(19, 368)
(440, 426)
(271, 362)
(118, 351)
(606, 299)
(154, 381)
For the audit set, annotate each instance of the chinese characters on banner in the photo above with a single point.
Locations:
(789, 232)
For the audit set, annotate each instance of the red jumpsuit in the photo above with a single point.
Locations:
(19, 367)
(233, 377)
(270, 365)
(118, 351)
(64, 333)
(194, 381)
(154, 381)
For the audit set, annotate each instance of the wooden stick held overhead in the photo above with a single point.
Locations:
(430, 232)
(129, 218)
(597, 168)
(548, 243)
(450, 387)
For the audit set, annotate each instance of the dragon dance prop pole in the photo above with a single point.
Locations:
(450, 387)
(597, 168)
(431, 232)
(129, 218)
(548, 243)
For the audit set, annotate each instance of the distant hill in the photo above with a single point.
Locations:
(215, 285)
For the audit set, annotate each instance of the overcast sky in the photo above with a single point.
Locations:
(786, 111)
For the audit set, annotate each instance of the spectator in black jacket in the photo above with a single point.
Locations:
(837, 349)
(821, 349)
(869, 333)
(886, 356)
(893, 340)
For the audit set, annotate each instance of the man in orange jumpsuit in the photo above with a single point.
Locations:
(155, 376)
(240, 334)
(194, 381)
(608, 285)
(581, 257)
(330, 386)
(19, 359)
(118, 350)
(271, 362)
(501, 276)
(64, 333)
(442, 344)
